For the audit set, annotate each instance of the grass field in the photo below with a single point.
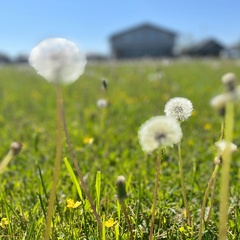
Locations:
(135, 94)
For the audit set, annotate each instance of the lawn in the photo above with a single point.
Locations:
(105, 142)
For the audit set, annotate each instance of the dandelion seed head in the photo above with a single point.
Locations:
(58, 60)
(228, 78)
(159, 131)
(121, 188)
(102, 103)
(221, 100)
(16, 147)
(222, 145)
(179, 108)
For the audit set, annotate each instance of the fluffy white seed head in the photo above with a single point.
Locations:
(228, 78)
(58, 60)
(102, 103)
(160, 131)
(221, 100)
(179, 108)
(222, 146)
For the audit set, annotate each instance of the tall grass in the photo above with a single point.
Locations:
(27, 113)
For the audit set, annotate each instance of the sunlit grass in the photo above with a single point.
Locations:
(27, 114)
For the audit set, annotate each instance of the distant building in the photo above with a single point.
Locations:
(145, 40)
(207, 48)
(231, 52)
(4, 59)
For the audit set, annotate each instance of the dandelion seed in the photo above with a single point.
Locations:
(102, 103)
(4, 222)
(110, 223)
(72, 204)
(179, 108)
(58, 60)
(159, 131)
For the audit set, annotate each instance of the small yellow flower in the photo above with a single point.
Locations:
(207, 126)
(182, 229)
(4, 222)
(194, 113)
(71, 204)
(110, 223)
(88, 140)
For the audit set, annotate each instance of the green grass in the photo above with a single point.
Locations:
(28, 114)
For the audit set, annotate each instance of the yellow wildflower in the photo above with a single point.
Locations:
(88, 140)
(110, 223)
(4, 222)
(182, 229)
(207, 126)
(71, 204)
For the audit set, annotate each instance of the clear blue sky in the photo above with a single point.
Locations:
(89, 23)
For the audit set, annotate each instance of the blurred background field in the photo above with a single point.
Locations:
(106, 140)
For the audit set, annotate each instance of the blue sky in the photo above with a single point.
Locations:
(89, 23)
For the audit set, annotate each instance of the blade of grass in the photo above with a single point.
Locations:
(73, 178)
(98, 190)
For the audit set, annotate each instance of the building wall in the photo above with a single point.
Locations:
(143, 42)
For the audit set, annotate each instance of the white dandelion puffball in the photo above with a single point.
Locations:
(179, 108)
(58, 60)
(160, 131)
(222, 145)
(228, 78)
(221, 100)
(102, 103)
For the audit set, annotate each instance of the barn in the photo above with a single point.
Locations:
(206, 48)
(145, 40)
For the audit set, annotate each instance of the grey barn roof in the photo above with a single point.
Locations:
(144, 25)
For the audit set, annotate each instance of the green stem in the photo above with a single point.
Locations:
(57, 164)
(80, 175)
(212, 199)
(155, 195)
(6, 161)
(180, 164)
(205, 201)
(127, 218)
(224, 181)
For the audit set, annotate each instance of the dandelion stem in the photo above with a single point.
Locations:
(180, 164)
(6, 161)
(155, 194)
(57, 164)
(83, 184)
(205, 201)
(212, 199)
(127, 218)
(224, 181)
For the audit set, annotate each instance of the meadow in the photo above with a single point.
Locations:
(105, 141)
